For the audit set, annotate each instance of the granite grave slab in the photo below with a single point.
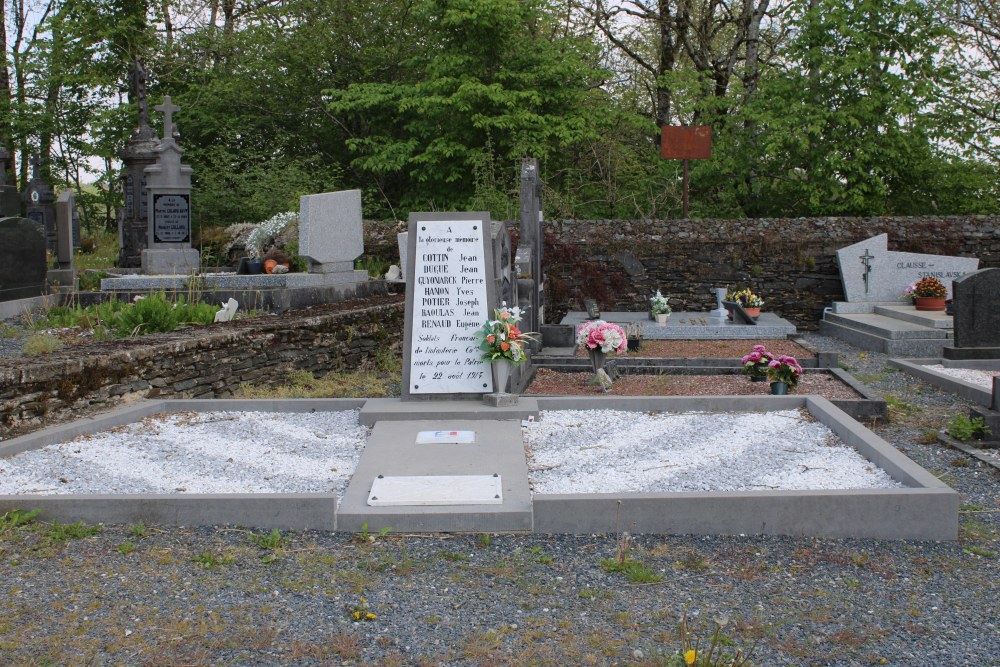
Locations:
(330, 232)
(977, 316)
(22, 259)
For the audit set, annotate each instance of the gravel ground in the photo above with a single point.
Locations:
(159, 595)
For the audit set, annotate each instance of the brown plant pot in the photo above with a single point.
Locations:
(753, 312)
(930, 303)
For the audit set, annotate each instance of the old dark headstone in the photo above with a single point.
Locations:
(63, 274)
(139, 153)
(528, 261)
(977, 316)
(10, 198)
(40, 203)
(22, 259)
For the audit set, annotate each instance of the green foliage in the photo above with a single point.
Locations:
(375, 266)
(211, 561)
(271, 541)
(158, 314)
(125, 548)
(963, 428)
(137, 529)
(17, 518)
(635, 571)
(62, 532)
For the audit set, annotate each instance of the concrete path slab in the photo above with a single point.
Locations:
(392, 451)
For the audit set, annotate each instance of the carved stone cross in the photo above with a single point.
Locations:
(36, 166)
(167, 109)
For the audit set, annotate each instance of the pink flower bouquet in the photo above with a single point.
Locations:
(603, 336)
(784, 369)
(756, 363)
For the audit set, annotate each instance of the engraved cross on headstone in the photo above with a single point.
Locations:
(167, 109)
(866, 259)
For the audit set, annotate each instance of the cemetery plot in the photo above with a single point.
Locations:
(198, 452)
(609, 451)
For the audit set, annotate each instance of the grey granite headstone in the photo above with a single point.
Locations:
(63, 273)
(401, 241)
(870, 272)
(22, 259)
(450, 294)
(330, 231)
(977, 309)
(168, 191)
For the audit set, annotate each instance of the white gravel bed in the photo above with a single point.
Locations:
(609, 451)
(972, 375)
(203, 452)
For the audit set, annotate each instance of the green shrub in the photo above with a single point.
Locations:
(963, 429)
(151, 314)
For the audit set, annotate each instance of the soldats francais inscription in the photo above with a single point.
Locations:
(448, 304)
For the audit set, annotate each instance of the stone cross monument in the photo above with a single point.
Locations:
(168, 184)
(530, 279)
(139, 153)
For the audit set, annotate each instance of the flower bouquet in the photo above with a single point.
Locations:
(757, 362)
(784, 369)
(501, 339)
(602, 336)
(746, 298)
(929, 286)
(659, 304)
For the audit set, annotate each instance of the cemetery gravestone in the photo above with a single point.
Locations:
(977, 316)
(870, 272)
(528, 261)
(450, 295)
(63, 274)
(22, 259)
(40, 198)
(139, 153)
(331, 236)
(169, 205)
(10, 199)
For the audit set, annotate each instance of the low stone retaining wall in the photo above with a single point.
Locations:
(206, 362)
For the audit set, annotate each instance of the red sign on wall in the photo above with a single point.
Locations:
(686, 142)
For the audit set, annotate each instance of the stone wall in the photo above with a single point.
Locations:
(203, 362)
(791, 262)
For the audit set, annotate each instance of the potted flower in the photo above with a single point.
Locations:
(783, 373)
(752, 303)
(930, 293)
(502, 343)
(659, 307)
(757, 362)
(599, 338)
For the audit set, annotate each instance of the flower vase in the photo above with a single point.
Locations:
(752, 312)
(661, 318)
(501, 374)
(597, 358)
(758, 378)
(779, 388)
(634, 344)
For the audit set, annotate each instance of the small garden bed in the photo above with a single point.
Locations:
(549, 382)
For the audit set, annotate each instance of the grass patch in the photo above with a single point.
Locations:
(897, 408)
(211, 561)
(41, 343)
(381, 381)
(635, 571)
(63, 532)
(16, 518)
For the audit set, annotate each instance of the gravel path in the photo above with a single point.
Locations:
(155, 595)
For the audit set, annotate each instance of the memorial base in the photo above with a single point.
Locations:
(500, 400)
(171, 261)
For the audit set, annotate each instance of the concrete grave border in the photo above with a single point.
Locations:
(927, 509)
(967, 390)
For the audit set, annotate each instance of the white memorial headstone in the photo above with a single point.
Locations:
(447, 301)
(870, 272)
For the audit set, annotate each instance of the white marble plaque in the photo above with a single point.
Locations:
(446, 437)
(448, 304)
(436, 490)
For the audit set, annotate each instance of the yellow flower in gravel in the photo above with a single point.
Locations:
(690, 656)
(370, 616)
